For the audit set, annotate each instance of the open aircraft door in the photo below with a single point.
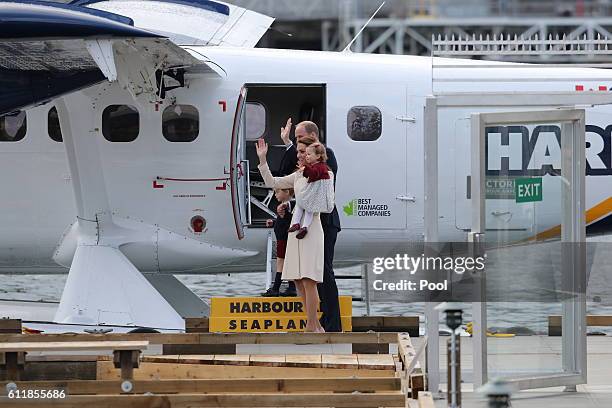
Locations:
(239, 169)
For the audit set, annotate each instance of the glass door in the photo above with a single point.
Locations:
(529, 165)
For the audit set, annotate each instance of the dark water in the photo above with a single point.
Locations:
(533, 316)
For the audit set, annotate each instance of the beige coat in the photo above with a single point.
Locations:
(304, 257)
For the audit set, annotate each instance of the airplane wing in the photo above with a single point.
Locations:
(51, 49)
(190, 22)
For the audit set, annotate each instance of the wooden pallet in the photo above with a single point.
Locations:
(351, 380)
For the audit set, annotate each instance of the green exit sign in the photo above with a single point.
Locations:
(528, 189)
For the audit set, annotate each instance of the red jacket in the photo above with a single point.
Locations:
(316, 172)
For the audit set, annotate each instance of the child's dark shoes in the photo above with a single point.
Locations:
(302, 233)
(294, 228)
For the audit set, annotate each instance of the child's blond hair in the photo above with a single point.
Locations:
(320, 150)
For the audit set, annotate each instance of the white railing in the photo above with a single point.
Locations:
(516, 46)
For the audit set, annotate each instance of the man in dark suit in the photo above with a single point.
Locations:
(328, 290)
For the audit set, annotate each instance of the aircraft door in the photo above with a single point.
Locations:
(239, 169)
(367, 128)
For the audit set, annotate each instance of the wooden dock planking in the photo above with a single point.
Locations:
(155, 371)
(254, 385)
(385, 399)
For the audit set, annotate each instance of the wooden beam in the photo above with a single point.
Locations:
(382, 348)
(10, 326)
(406, 352)
(409, 324)
(417, 384)
(152, 338)
(267, 360)
(376, 361)
(303, 360)
(382, 399)
(213, 338)
(57, 370)
(339, 361)
(554, 323)
(157, 371)
(199, 386)
(365, 361)
(196, 325)
(73, 346)
(199, 349)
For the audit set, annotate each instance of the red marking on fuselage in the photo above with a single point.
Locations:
(155, 185)
(222, 186)
(223, 105)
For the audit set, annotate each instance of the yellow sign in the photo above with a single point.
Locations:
(273, 314)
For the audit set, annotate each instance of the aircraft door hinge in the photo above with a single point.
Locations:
(406, 119)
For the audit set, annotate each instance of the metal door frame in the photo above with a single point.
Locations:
(575, 312)
(572, 227)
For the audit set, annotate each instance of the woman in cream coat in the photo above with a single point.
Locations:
(304, 257)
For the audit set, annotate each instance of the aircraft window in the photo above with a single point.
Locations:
(255, 120)
(13, 127)
(120, 123)
(53, 125)
(364, 123)
(181, 123)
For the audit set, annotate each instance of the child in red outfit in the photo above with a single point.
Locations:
(319, 184)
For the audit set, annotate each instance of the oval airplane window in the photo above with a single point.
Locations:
(255, 120)
(13, 127)
(181, 123)
(364, 123)
(53, 126)
(120, 123)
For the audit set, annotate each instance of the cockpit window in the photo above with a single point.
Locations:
(120, 123)
(13, 127)
(181, 123)
(364, 123)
